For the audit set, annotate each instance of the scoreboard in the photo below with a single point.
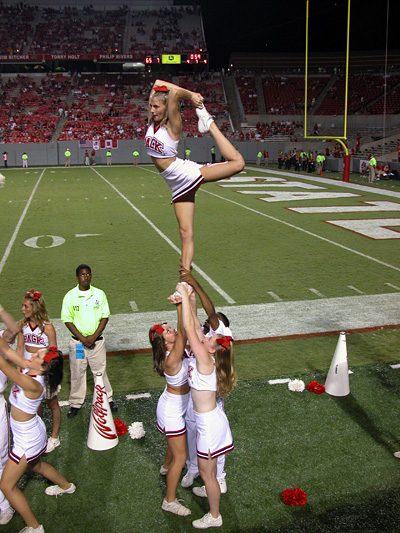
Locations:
(177, 59)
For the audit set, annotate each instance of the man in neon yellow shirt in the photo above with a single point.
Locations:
(67, 158)
(85, 312)
(24, 160)
(372, 169)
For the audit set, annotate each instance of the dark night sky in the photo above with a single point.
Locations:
(279, 26)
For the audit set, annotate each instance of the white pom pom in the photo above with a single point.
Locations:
(136, 430)
(296, 385)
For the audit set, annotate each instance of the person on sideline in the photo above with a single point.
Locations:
(67, 158)
(168, 347)
(45, 369)
(87, 160)
(108, 155)
(210, 373)
(7, 335)
(372, 169)
(36, 331)
(85, 312)
(135, 157)
(24, 160)
(182, 176)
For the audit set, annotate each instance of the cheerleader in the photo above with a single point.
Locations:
(211, 373)
(184, 177)
(45, 369)
(168, 347)
(38, 332)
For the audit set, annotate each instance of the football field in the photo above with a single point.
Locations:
(292, 260)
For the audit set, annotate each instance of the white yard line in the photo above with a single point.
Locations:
(18, 226)
(216, 287)
(261, 321)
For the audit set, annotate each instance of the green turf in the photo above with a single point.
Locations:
(339, 450)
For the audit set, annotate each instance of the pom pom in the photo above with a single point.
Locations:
(120, 426)
(136, 430)
(316, 387)
(296, 385)
(294, 497)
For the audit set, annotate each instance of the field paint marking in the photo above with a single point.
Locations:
(278, 381)
(393, 286)
(87, 234)
(317, 293)
(302, 230)
(134, 306)
(395, 367)
(355, 289)
(19, 224)
(275, 296)
(374, 228)
(332, 182)
(138, 396)
(366, 207)
(167, 239)
(299, 184)
(316, 316)
(63, 403)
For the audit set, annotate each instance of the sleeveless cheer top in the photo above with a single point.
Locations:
(18, 399)
(159, 144)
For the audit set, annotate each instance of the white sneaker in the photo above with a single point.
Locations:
(187, 480)
(175, 507)
(201, 491)
(163, 470)
(6, 515)
(39, 529)
(55, 490)
(207, 521)
(205, 119)
(52, 444)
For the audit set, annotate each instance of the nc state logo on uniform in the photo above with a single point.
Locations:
(155, 145)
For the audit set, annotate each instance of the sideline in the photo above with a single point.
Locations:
(18, 226)
(261, 322)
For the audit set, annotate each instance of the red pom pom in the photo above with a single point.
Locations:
(294, 496)
(120, 426)
(316, 387)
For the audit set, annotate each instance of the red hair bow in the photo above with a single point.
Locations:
(36, 295)
(51, 354)
(161, 89)
(225, 342)
(156, 328)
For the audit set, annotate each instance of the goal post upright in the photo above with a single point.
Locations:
(340, 140)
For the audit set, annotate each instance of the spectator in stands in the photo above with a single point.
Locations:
(24, 160)
(184, 177)
(67, 158)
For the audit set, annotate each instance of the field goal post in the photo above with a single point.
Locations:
(346, 166)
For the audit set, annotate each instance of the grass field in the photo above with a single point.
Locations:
(249, 252)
